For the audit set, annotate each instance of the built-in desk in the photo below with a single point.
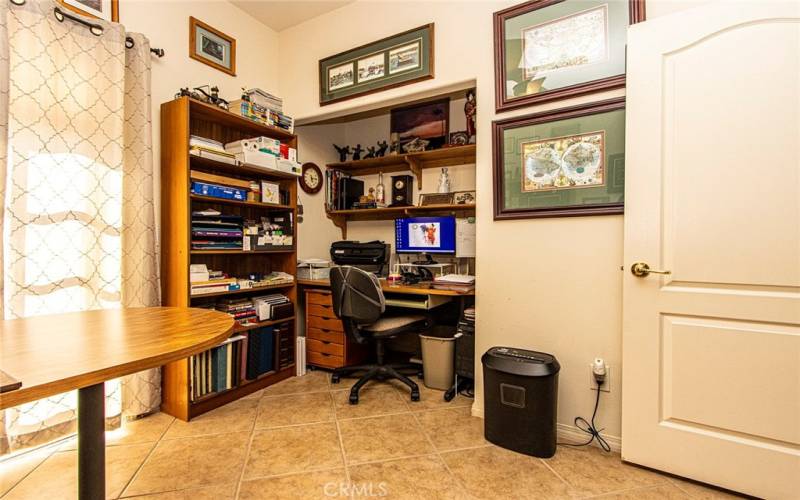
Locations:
(416, 289)
(326, 343)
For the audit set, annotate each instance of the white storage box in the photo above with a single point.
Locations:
(313, 269)
(258, 159)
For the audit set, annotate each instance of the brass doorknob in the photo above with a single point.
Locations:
(642, 269)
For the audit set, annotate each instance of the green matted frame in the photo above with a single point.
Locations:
(399, 66)
(509, 136)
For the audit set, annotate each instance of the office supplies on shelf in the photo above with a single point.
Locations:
(270, 192)
(198, 272)
(273, 306)
(213, 230)
(372, 256)
(219, 191)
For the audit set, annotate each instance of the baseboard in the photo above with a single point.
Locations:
(568, 433)
(572, 434)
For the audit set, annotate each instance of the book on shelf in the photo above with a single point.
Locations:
(217, 369)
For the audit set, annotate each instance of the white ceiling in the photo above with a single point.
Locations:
(280, 15)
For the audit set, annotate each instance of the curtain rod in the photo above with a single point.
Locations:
(94, 28)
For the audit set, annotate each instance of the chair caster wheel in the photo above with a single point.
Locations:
(335, 379)
(420, 375)
(353, 399)
(414, 395)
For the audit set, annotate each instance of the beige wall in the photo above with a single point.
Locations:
(549, 284)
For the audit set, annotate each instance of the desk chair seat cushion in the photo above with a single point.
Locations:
(390, 325)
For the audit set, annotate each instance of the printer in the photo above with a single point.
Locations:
(371, 256)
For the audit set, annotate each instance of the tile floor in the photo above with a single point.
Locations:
(300, 439)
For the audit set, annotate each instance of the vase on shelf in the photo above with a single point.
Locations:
(444, 182)
(380, 191)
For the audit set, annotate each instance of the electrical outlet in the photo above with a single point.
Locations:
(606, 387)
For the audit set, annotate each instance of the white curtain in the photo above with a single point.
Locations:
(78, 216)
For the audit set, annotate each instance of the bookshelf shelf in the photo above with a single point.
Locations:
(243, 328)
(242, 291)
(340, 218)
(256, 204)
(240, 252)
(180, 119)
(416, 162)
(201, 163)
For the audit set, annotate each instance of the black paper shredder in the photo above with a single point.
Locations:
(520, 400)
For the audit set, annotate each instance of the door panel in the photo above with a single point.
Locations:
(711, 352)
(727, 375)
(724, 140)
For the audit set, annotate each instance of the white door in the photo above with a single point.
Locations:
(711, 352)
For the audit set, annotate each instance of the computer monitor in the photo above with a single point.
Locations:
(425, 235)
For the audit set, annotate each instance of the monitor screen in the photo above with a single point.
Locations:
(425, 234)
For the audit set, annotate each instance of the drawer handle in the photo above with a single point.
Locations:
(325, 342)
(325, 306)
(325, 330)
(325, 354)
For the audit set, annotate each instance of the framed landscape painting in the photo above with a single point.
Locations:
(397, 60)
(554, 49)
(100, 9)
(212, 47)
(561, 163)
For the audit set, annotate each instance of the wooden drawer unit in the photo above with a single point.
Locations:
(324, 360)
(321, 310)
(325, 335)
(330, 324)
(327, 345)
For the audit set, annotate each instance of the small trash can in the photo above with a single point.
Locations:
(438, 351)
(520, 400)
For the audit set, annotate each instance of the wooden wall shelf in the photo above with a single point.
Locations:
(340, 218)
(180, 119)
(416, 162)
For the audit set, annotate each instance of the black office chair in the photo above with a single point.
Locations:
(358, 301)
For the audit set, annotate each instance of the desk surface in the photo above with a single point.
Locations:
(57, 353)
(416, 289)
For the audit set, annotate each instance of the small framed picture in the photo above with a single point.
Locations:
(107, 10)
(464, 197)
(270, 193)
(427, 199)
(341, 76)
(212, 47)
(458, 138)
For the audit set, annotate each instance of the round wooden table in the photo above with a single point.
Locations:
(61, 352)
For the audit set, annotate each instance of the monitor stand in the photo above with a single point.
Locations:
(427, 262)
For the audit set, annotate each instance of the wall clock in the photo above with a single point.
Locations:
(311, 178)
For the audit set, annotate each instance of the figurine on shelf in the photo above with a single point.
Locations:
(370, 152)
(343, 152)
(394, 149)
(417, 145)
(470, 110)
(382, 147)
(357, 152)
(444, 182)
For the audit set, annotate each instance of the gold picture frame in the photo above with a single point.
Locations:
(212, 47)
(108, 9)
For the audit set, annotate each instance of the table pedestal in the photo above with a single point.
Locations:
(91, 443)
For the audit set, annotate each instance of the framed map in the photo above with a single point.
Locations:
(564, 43)
(564, 162)
(553, 49)
(560, 163)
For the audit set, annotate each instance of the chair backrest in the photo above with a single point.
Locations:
(357, 295)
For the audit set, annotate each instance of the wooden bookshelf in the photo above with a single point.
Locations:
(181, 118)
(416, 162)
(340, 218)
